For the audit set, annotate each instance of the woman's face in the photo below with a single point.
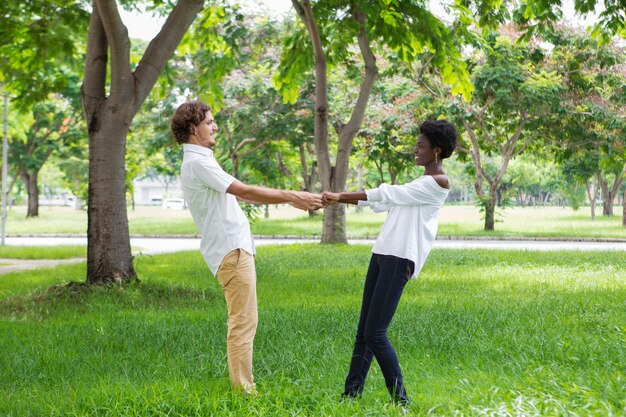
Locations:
(424, 154)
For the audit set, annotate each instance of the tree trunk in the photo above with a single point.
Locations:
(334, 224)
(607, 196)
(490, 212)
(359, 186)
(109, 259)
(607, 206)
(30, 180)
(307, 173)
(624, 209)
(591, 194)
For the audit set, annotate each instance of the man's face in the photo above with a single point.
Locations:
(204, 133)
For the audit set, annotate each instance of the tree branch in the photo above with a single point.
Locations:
(241, 145)
(119, 44)
(509, 149)
(254, 149)
(163, 46)
(93, 88)
(349, 131)
(321, 95)
(475, 154)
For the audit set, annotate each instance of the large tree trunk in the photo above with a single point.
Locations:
(30, 180)
(109, 257)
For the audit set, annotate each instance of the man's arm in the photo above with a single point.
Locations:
(260, 195)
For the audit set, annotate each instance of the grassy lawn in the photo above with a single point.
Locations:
(455, 221)
(42, 252)
(494, 333)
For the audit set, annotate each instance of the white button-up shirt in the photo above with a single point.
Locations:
(410, 228)
(218, 217)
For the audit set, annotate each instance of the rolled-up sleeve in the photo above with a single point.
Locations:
(376, 207)
(212, 175)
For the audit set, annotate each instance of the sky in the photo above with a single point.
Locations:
(144, 26)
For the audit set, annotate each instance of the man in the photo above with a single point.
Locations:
(227, 245)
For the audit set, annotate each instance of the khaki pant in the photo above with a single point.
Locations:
(237, 276)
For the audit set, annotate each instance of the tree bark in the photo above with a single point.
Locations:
(335, 220)
(609, 193)
(30, 180)
(490, 212)
(109, 259)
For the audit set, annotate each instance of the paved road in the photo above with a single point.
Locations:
(150, 246)
(161, 245)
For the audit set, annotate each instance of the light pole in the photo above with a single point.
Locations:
(5, 150)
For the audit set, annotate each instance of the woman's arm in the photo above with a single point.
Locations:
(348, 198)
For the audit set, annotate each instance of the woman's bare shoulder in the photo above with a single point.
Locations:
(442, 180)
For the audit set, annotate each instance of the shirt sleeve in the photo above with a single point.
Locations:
(211, 175)
(415, 193)
(376, 207)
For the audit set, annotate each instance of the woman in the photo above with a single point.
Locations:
(398, 254)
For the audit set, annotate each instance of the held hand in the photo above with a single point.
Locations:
(329, 198)
(304, 200)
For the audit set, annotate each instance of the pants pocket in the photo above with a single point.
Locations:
(410, 267)
(231, 259)
(228, 267)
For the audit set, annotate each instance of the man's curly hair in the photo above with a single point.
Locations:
(187, 115)
(441, 134)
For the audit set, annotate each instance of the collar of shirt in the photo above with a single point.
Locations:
(188, 147)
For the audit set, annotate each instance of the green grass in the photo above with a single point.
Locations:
(455, 221)
(42, 252)
(494, 333)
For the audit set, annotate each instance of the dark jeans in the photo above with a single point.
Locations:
(386, 278)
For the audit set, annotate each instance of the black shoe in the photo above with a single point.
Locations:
(400, 400)
(350, 395)
(399, 396)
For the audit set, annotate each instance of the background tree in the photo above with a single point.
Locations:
(509, 111)
(406, 27)
(54, 126)
(593, 125)
(40, 51)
